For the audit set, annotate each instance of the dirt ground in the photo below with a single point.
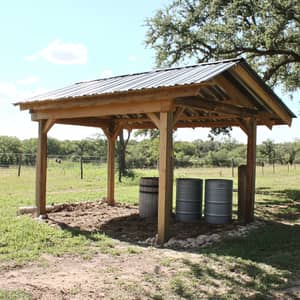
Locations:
(145, 273)
(122, 222)
(71, 277)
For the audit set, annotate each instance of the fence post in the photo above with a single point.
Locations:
(20, 165)
(81, 168)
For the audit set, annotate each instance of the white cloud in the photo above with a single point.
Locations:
(58, 52)
(28, 80)
(106, 73)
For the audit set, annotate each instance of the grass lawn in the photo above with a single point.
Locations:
(260, 265)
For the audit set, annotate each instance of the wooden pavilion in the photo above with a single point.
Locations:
(218, 94)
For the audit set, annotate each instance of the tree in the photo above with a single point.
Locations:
(122, 145)
(266, 33)
(9, 147)
(287, 153)
(29, 149)
(53, 146)
(268, 151)
(151, 133)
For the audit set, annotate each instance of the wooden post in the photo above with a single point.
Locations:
(165, 175)
(111, 170)
(41, 170)
(20, 165)
(171, 177)
(81, 168)
(242, 193)
(111, 134)
(251, 168)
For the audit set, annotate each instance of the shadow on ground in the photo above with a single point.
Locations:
(287, 194)
(259, 264)
(129, 227)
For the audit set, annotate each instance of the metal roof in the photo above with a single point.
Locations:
(139, 81)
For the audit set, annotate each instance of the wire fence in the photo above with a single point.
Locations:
(18, 161)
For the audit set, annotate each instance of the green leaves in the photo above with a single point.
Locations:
(266, 33)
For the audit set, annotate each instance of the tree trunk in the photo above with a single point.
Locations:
(122, 145)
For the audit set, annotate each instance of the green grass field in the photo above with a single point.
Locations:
(271, 255)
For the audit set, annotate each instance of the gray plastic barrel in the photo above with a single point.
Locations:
(218, 201)
(148, 199)
(188, 199)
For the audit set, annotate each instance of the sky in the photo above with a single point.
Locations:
(47, 45)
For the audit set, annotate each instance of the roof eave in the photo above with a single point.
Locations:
(263, 92)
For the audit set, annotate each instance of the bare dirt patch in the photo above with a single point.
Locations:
(122, 222)
(71, 277)
(145, 273)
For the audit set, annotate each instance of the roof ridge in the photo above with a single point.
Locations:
(164, 69)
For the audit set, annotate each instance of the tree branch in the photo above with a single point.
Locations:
(270, 72)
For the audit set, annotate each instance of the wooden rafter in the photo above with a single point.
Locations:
(237, 97)
(262, 93)
(215, 106)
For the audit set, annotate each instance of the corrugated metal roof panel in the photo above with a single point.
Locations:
(146, 80)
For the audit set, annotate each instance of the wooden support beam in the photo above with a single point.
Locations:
(101, 110)
(111, 171)
(90, 122)
(154, 118)
(251, 169)
(111, 134)
(41, 169)
(165, 175)
(257, 88)
(178, 112)
(242, 193)
(144, 95)
(215, 106)
(233, 92)
(48, 125)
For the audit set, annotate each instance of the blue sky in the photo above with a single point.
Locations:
(49, 44)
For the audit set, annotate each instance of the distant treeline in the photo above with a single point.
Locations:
(144, 154)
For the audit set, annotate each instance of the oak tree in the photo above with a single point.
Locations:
(265, 32)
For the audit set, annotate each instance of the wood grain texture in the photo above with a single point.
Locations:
(41, 169)
(251, 170)
(165, 175)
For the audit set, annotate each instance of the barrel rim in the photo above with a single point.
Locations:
(219, 180)
(148, 177)
(191, 179)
